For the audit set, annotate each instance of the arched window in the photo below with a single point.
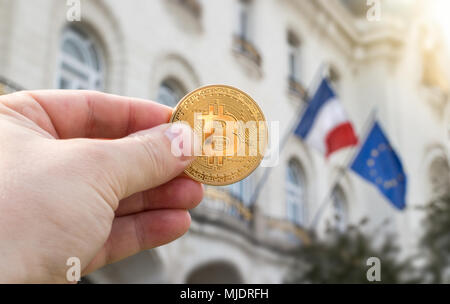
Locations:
(340, 209)
(80, 65)
(170, 92)
(440, 177)
(295, 193)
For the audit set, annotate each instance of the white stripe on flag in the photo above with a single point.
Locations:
(329, 117)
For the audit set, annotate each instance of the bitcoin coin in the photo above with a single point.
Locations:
(230, 133)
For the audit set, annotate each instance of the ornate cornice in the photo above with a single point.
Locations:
(358, 39)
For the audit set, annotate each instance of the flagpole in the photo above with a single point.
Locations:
(350, 158)
(298, 116)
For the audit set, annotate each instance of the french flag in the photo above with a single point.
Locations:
(324, 125)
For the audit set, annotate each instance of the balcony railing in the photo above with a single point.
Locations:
(246, 48)
(221, 208)
(284, 231)
(234, 206)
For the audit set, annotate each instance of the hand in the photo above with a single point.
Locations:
(66, 192)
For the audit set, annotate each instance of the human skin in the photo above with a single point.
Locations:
(66, 191)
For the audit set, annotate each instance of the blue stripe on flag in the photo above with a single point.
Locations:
(324, 93)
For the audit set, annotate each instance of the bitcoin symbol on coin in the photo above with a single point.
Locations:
(216, 134)
(232, 130)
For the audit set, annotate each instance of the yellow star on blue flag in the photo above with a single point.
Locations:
(379, 164)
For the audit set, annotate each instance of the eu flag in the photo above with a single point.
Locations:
(378, 163)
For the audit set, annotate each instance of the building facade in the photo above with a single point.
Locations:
(275, 50)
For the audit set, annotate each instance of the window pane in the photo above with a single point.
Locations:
(440, 177)
(243, 19)
(94, 58)
(294, 55)
(292, 65)
(72, 49)
(295, 200)
(80, 66)
(243, 24)
(167, 96)
(74, 72)
(64, 83)
(170, 93)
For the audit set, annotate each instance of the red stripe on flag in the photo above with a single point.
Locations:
(340, 137)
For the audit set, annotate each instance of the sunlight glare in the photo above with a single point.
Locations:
(440, 12)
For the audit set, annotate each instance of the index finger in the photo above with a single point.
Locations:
(89, 114)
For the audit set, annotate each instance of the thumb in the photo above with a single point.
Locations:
(148, 158)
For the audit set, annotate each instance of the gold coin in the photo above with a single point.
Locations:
(230, 133)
